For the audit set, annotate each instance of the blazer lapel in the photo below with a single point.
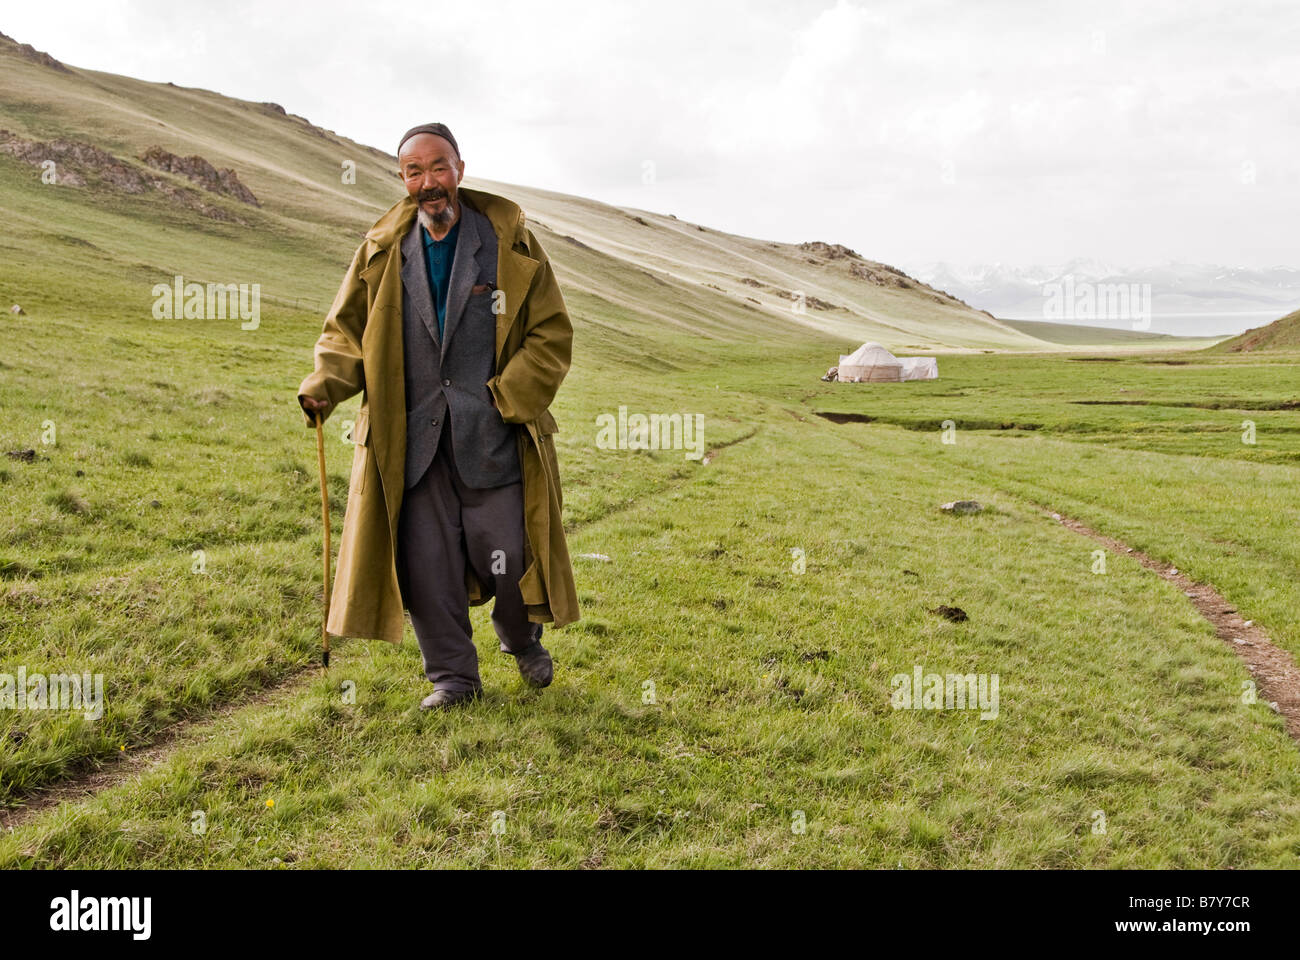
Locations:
(464, 271)
(415, 278)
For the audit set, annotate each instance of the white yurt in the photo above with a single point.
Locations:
(870, 363)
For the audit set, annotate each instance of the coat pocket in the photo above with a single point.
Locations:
(361, 456)
(546, 424)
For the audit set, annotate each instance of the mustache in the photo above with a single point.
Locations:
(426, 195)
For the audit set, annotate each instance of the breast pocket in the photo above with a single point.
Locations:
(483, 299)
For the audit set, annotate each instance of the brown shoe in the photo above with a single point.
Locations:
(535, 665)
(441, 699)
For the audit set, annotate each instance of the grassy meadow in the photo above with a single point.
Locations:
(771, 687)
(727, 698)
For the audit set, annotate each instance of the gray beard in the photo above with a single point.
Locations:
(439, 222)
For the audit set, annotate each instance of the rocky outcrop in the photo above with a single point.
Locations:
(79, 164)
(808, 299)
(831, 251)
(878, 274)
(274, 109)
(881, 275)
(198, 171)
(28, 52)
(73, 160)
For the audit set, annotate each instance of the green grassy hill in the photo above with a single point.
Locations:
(1281, 334)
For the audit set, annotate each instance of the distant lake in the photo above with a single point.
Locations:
(1185, 324)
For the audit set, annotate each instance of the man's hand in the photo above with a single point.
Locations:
(311, 405)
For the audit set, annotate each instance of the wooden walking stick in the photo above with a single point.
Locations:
(325, 553)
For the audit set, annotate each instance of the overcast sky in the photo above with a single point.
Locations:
(913, 131)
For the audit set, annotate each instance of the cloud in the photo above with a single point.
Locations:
(909, 130)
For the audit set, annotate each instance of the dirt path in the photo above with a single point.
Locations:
(1276, 677)
(133, 763)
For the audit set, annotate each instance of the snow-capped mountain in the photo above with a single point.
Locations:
(1181, 298)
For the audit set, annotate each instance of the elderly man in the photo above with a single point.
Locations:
(451, 321)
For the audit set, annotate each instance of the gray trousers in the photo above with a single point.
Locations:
(445, 525)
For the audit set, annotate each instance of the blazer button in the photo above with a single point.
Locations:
(446, 383)
(434, 423)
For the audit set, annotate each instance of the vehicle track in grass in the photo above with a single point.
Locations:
(1273, 669)
(1276, 676)
(121, 767)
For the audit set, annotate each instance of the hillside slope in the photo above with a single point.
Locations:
(647, 274)
(1281, 334)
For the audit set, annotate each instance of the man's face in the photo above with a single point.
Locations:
(431, 171)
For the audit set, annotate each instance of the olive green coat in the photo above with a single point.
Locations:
(360, 348)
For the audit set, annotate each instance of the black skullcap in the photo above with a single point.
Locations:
(439, 129)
